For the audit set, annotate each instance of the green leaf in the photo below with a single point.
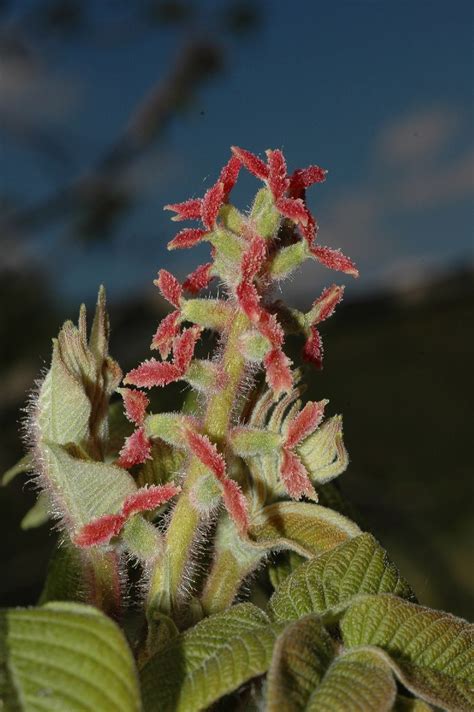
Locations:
(356, 680)
(84, 489)
(285, 564)
(65, 656)
(72, 403)
(210, 660)
(410, 704)
(308, 529)
(65, 577)
(431, 652)
(38, 514)
(301, 656)
(23, 465)
(327, 584)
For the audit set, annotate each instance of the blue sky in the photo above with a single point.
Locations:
(378, 92)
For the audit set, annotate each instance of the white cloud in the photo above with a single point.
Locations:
(419, 135)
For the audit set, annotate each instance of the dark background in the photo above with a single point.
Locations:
(110, 110)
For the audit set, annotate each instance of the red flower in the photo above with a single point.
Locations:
(169, 287)
(166, 333)
(102, 529)
(186, 238)
(334, 259)
(252, 163)
(211, 204)
(199, 279)
(213, 460)
(136, 449)
(136, 403)
(321, 310)
(188, 210)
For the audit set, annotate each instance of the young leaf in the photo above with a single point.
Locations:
(356, 680)
(301, 656)
(308, 529)
(85, 490)
(65, 656)
(431, 652)
(210, 660)
(327, 584)
(65, 579)
(38, 514)
(23, 465)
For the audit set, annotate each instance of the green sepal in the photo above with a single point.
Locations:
(83, 490)
(167, 427)
(142, 539)
(166, 461)
(251, 442)
(254, 346)
(206, 495)
(228, 245)
(287, 259)
(231, 218)
(209, 313)
(205, 376)
(72, 404)
(264, 215)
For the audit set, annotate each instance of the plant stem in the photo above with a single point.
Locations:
(167, 577)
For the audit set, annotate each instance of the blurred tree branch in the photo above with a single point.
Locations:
(100, 195)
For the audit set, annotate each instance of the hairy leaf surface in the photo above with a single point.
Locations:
(210, 660)
(65, 656)
(359, 681)
(432, 651)
(326, 585)
(301, 656)
(308, 529)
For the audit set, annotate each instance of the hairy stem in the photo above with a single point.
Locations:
(167, 577)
